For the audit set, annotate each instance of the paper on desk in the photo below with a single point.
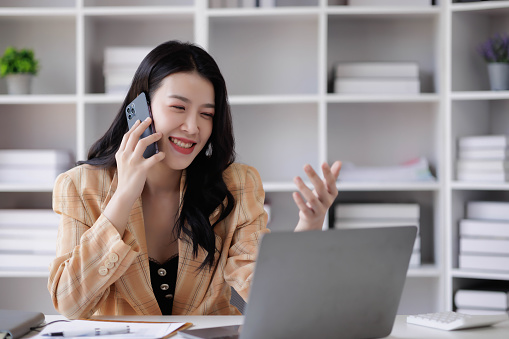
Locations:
(137, 329)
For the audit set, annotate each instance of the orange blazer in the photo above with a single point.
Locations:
(98, 272)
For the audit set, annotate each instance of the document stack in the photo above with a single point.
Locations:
(484, 237)
(120, 64)
(30, 166)
(27, 239)
(377, 78)
(482, 301)
(483, 158)
(353, 215)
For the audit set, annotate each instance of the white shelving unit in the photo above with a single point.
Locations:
(278, 66)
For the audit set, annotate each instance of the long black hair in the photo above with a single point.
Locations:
(205, 189)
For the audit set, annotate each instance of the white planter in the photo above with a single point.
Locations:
(18, 84)
(498, 74)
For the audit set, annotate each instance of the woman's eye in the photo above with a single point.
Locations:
(208, 115)
(179, 107)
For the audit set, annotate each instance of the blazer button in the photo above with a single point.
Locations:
(161, 272)
(113, 257)
(169, 296)
(164, 287)
(109, 264)
(103, 270)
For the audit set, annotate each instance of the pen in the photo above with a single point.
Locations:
(90, 333)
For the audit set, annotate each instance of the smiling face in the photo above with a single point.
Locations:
(183, 111)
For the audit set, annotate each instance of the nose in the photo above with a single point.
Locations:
(190, 124)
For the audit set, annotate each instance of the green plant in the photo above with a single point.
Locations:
(18, 61)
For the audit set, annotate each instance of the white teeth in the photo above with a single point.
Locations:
(181, 144)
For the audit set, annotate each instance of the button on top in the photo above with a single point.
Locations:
(164, 287)
(109, 264)
(113, 257)
(161, 272)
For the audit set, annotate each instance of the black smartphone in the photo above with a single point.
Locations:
(139, 109)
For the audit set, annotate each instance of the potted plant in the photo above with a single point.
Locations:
(495, 52)
(18, 67)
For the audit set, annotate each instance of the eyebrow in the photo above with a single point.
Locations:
(186, 100)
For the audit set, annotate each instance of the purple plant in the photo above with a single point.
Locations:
(495, 49)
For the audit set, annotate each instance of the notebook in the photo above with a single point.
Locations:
(340, 283)
(18, 323)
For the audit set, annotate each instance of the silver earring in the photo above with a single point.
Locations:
(208, 152)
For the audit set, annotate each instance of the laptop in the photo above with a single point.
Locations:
(339, 283)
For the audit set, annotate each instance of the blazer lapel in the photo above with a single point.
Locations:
(135, 284)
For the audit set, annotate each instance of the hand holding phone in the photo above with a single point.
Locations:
(139, 109)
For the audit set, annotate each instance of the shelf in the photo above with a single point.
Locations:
(423, 97)
(424, 271)
(273, 99)
(104, 98)
(456, 273)
(388, 186)
(480, 186)
(6, 12)
(35, 99)
(24, 274)
(263, 12)
(26, 187)
(383, 11)
(488, 7)
(141, 11)
(480, 95)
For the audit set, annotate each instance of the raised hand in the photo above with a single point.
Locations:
(132, 171)
(313, 204)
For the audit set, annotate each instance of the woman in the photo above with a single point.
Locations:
(171, 233)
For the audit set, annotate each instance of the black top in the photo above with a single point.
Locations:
(164, 278)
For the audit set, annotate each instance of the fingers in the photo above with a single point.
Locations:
(330, 175)
(313, 203)
(143, 143)
(126, 136)
(135, 133)
(301, 204)
(324, 193)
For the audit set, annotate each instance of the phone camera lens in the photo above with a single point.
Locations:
(128, 110)
(133, 111)
(129, 117)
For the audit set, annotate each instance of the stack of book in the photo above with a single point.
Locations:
(27, 239)
(120, 64)
(483, 158)
(409, 3)
(352, 215)
(30, 166)
(485, 301)
(415, 170)
(377, 78)
(484, 237)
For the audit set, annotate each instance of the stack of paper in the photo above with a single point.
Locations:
(27, 239)
(484, 237)
(483, 158)
(411, 171)
(31, 166)
(120, 64)
(377, 78)
(482, 301)
(406, 3)
(350, 215)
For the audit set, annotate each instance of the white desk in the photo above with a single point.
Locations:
(401, 328)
